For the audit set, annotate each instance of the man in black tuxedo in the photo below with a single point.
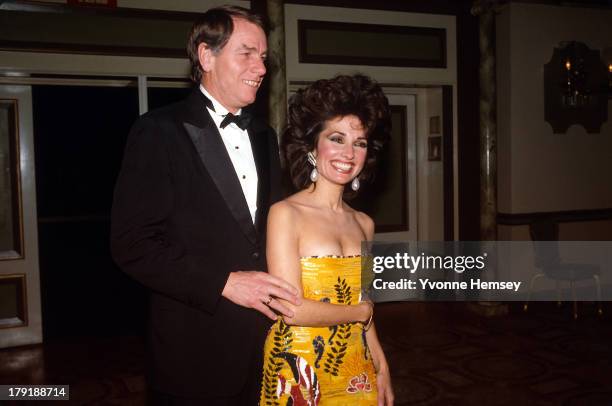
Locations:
(189, 217)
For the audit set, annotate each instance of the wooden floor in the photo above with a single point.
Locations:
(439, 353)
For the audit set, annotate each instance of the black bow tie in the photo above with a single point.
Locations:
(241, 121)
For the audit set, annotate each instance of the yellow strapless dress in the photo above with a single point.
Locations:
(328, 366)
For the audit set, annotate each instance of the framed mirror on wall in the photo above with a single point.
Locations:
(11, 236)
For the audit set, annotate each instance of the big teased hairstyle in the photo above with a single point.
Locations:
(215, 28)
(309, 110)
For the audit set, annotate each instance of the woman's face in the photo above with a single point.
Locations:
(341, 149)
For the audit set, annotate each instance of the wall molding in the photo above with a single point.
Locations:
(33, 6)
(569, 216)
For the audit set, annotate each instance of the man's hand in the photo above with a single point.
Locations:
(260, 291)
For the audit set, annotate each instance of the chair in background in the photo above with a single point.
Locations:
(548, 261)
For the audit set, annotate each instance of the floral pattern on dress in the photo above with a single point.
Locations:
(359, 383)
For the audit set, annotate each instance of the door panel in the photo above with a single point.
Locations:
(20, 314)
(396, 215)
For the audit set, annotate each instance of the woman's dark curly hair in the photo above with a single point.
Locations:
(309, 110)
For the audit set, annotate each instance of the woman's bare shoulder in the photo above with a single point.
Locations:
(289, 208)
(360, 216)
(365, 222)
(299, 201)
(283, 209)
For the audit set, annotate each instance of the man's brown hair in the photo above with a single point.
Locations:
(214, 28)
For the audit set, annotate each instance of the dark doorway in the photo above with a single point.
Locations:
(79, 136)
(162, 96)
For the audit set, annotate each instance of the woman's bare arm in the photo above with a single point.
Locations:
(383, 375)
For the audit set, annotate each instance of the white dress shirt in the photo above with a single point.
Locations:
(238, 147)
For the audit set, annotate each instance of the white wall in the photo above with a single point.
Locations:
(98, 65)
(540, 171)
(432, 176)
(429, 173)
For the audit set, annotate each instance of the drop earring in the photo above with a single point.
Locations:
(314, 174)
(355, 184)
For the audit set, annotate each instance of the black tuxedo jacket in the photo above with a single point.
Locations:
(180, 225)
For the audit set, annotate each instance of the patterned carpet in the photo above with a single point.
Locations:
(439, 353)
(448, 356)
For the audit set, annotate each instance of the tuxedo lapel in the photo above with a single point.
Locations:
(216, 161)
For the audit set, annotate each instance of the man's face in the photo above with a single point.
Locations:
(233, 75)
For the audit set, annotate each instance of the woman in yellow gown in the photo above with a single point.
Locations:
(328, 353)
